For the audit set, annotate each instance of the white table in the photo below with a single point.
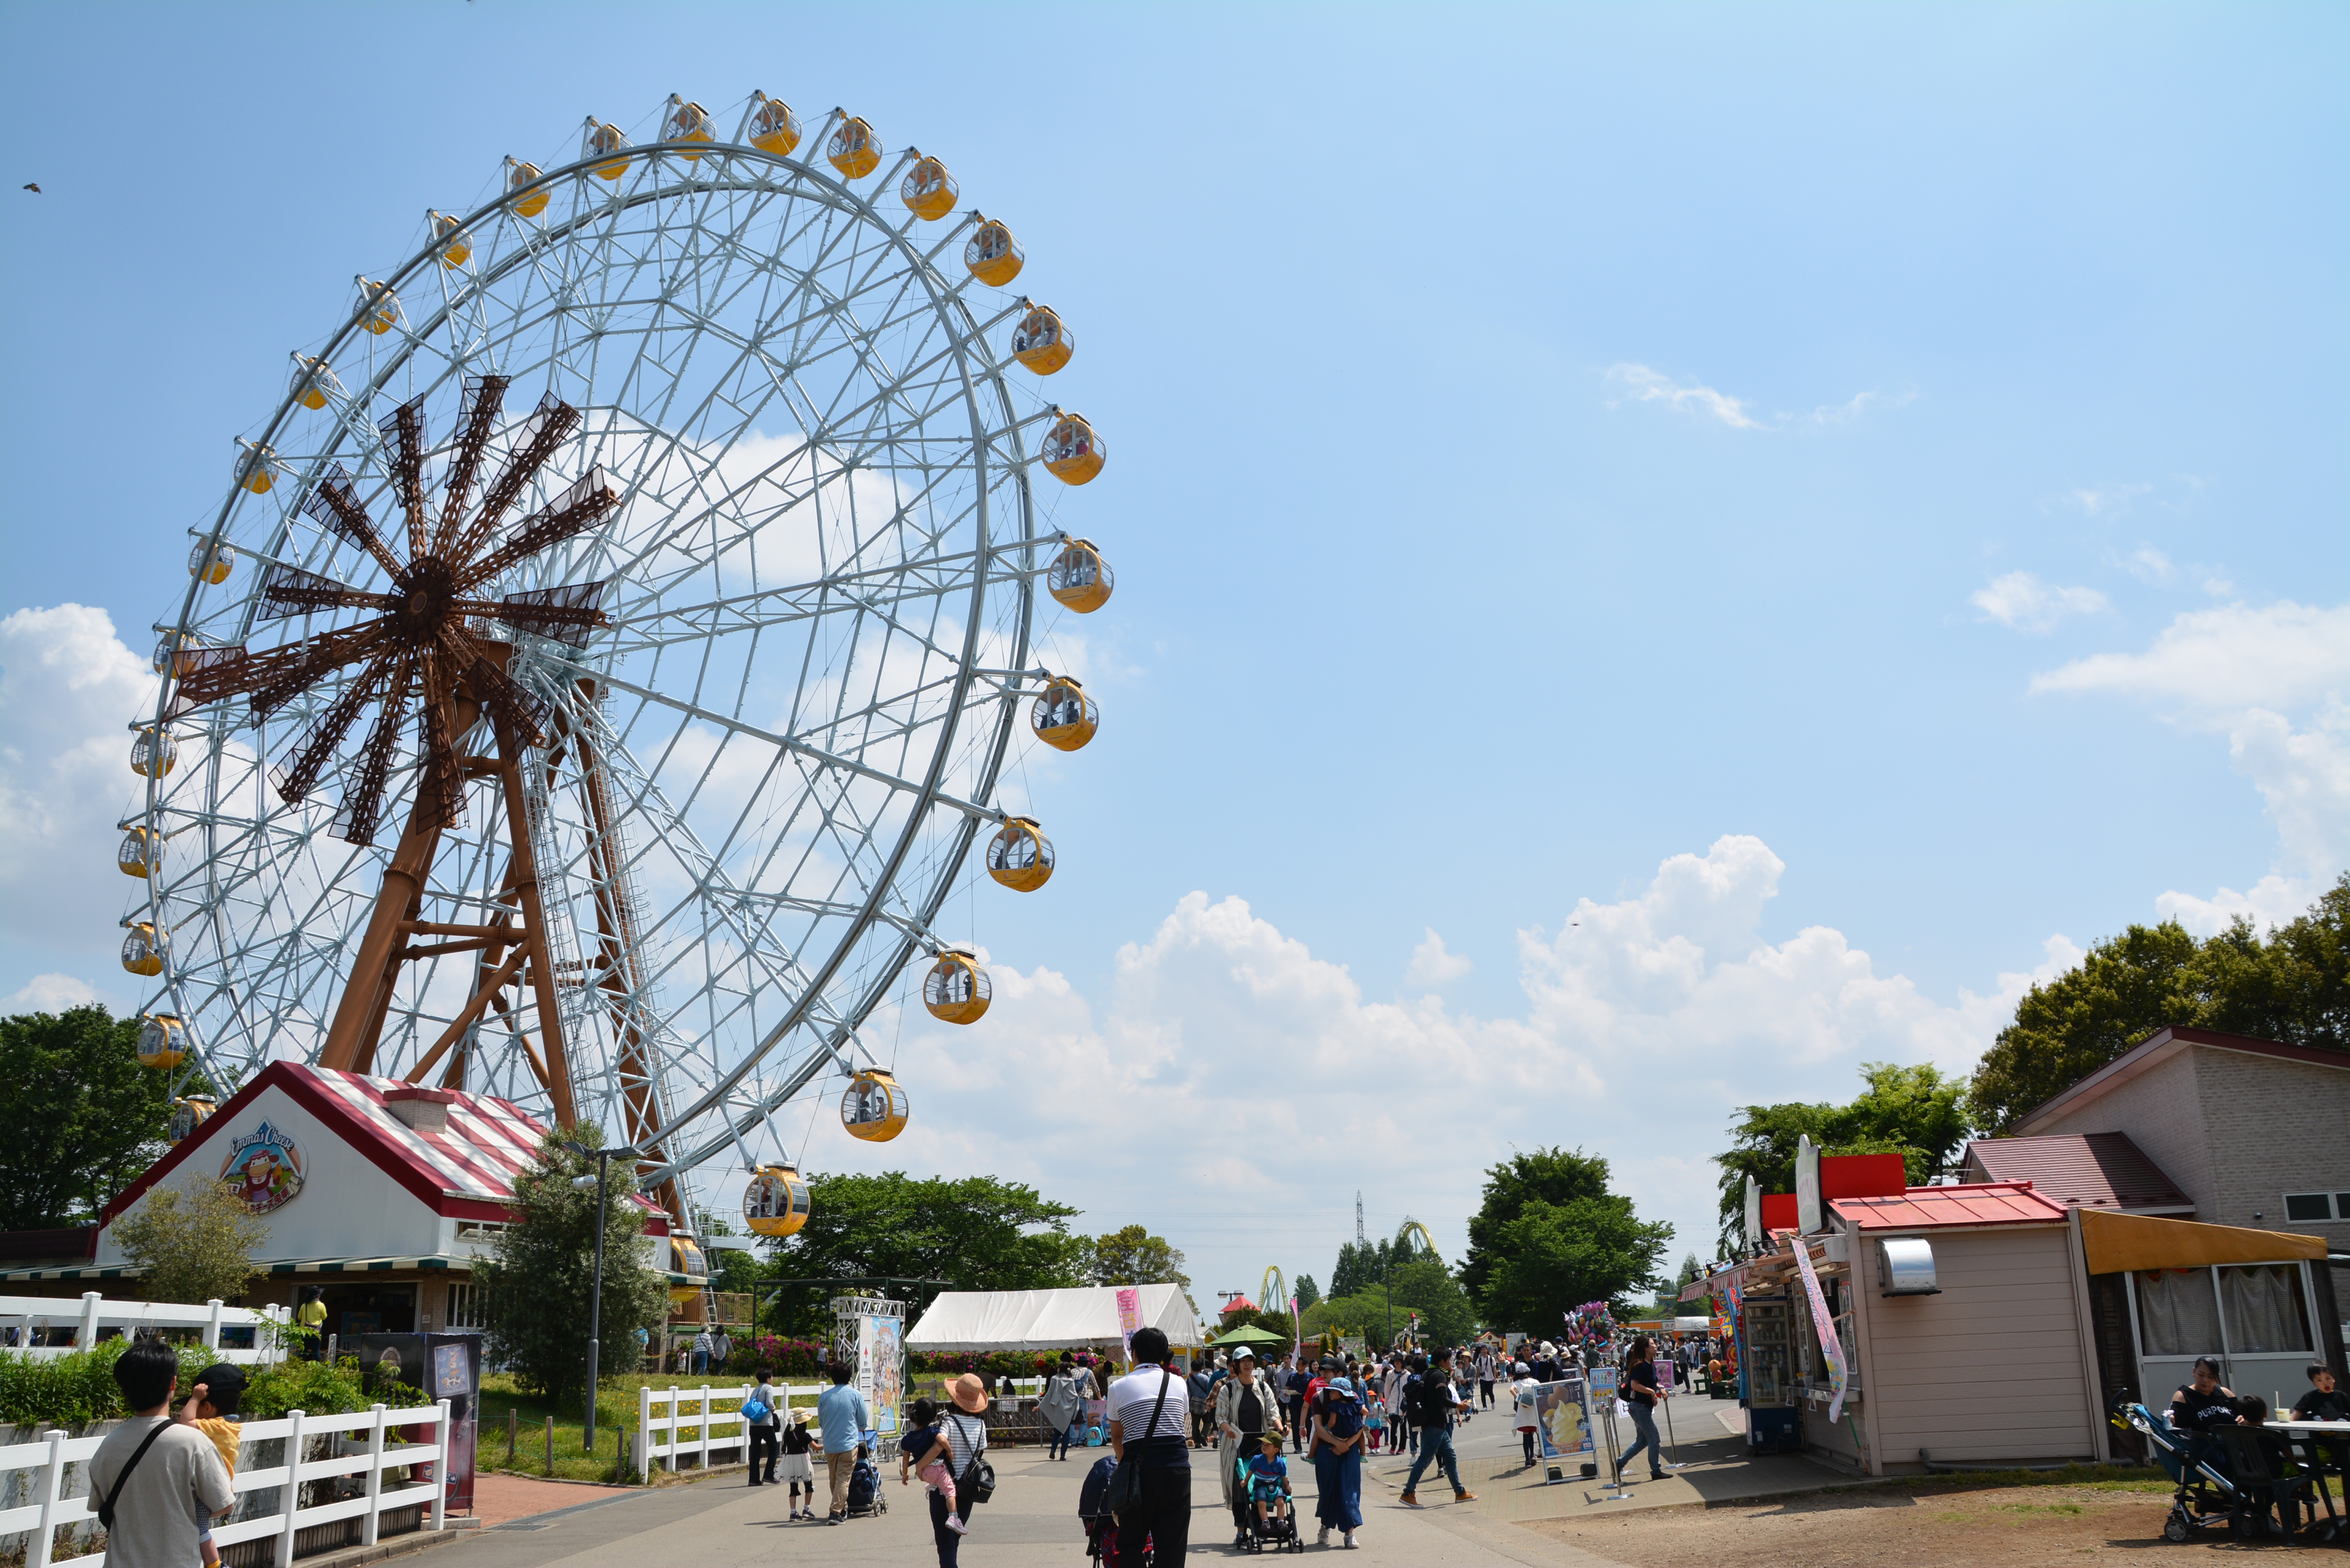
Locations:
(2305, 1430)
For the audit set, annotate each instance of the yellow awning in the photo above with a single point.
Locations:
(2124, 1243)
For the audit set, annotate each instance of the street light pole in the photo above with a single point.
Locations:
(596, 1300)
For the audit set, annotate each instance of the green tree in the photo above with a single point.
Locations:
(976, 1233)
(2293, 987)
(1553, 1257)
(1133, 1256)
(195, 1241)
(89, 1117)
(1554, 1176)
(541, 1282)
(1914, 1112)
(1307, 1291)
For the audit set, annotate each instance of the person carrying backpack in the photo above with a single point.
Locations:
(1433, 1415)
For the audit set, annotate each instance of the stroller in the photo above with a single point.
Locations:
(1276, 1532)
(2205, 1491)
(1101, 1525)
(866, 1497)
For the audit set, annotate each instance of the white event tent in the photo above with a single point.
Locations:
(1083, 1319)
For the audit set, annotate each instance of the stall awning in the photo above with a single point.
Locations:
(2124, 1243)
(1081, 1319)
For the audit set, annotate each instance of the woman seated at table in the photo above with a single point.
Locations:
(2202, 1405)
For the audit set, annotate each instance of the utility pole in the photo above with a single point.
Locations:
(596, 1301)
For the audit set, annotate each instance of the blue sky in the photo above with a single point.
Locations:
(1902, 445)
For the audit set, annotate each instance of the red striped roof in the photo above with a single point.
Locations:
(1925, 1208)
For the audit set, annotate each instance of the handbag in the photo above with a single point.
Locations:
(1124, 1493)
(978, 1477)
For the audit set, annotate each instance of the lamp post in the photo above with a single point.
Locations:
(603, 1158)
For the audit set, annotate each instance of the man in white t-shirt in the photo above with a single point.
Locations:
(175, 1481)
(1160, 1446)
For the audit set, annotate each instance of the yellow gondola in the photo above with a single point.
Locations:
(162, 1042)
(140, 852)
(455, 243)
(313, 382)
(210, 563)
(1043, 341)
(956, 991)
(521, 176)
(1079, 577)
(1020, 856)
(188, 1113)
(599, 140)
(154, 752)
(379, 307)
(993, 256)
(776, 1203)
(686, 122)
(1064, 716)
(854, 149)
(252, 468)
(874, 1108)
(142, 949)
(774, 127)
(1073, 452)
(928, 189)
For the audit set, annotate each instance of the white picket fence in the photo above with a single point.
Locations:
(94, 1313)
(52, 1508)
(663, 1413)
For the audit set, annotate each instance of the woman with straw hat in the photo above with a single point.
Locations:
(965, 1426)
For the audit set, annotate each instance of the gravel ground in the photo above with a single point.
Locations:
(1922, 1526)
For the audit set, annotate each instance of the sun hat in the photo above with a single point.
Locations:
(800, 1415)
(969, 1392)
(1242, 1353)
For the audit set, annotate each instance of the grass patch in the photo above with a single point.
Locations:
(616, 1416)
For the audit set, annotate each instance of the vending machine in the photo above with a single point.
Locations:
(433, 1367)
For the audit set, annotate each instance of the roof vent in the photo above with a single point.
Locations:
(1905, 1267)
(425, 1110)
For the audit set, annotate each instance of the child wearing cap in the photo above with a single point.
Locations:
(211, 1408)
(1268, 1475)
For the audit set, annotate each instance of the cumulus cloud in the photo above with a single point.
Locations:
(2274, 680)
(2022, 600)
(2107, 500)
(1230, 1080)
(51, 994)
(68, 689)
(1641, 384)
(1431, 965)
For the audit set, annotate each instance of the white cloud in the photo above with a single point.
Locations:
(51, 994)
(1431, 965)
(2223, 661)
(2151, 566)
(1247, 1085)
(2107, 500)
(2249, 672)
(68, 690)
(2022, 600)
(1642, 385)
(1845, 413)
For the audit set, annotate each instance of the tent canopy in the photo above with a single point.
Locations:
(2124, 1243)
(1085, 1319)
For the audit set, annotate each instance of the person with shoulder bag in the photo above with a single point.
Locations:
(158, 1482)
(766, 1425)
(1151, 1491)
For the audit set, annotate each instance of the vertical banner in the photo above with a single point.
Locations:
(869, 1334)
(1129, 1316)
(1827, 1327)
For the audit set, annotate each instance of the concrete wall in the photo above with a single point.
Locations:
(1992, 1368)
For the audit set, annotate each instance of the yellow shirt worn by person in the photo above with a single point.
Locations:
(226, 1435)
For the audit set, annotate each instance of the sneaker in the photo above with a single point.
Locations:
(1409, 1500)
(1323, 1539)
(1464, 1497)
(1350, 1540)
(955, 1522)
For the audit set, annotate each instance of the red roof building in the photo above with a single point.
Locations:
(2085, 1170)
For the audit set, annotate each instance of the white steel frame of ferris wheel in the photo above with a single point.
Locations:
(823, 428)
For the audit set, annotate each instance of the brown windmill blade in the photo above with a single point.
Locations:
(579, 508)
(200, 676)
(403, 431)
(297, 771)
(566, 615)
(289, 590)
(518, 710)
(551, 424)
(335, 504)
(277, 677)
(363, 803)
(441, 780)
(484, 396)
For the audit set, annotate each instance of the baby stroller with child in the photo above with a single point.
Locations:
(2224, 1476)
(1101, 1525)
(866, 1497)
(1271, 1531)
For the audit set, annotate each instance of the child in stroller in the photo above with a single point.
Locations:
(1100, 1524)
(1272, 1518)
(865, 1484)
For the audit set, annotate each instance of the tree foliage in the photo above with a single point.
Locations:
(1307, 1291)
(87, 1117)
(976, 1233)
(1554, 1176)
(1422, 1286)
(1553, 1257)
(195, 1240)
(1133, 1256)
(2293, 987)
(537, 1288)
(1916, 1111)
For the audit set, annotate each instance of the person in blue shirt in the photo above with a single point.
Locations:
(1268, 1477)
(840, 1415)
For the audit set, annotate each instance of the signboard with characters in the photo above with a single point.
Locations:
(265, 1167)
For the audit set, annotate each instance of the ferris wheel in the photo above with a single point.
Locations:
(607, 656)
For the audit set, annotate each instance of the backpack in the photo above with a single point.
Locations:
(1432, 1401)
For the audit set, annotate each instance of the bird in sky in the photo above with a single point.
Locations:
(36, 190)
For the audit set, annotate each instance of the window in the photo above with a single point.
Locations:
(2176, 1312)
(465, 1307)
(2306, 1207)
(2264, 1309)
